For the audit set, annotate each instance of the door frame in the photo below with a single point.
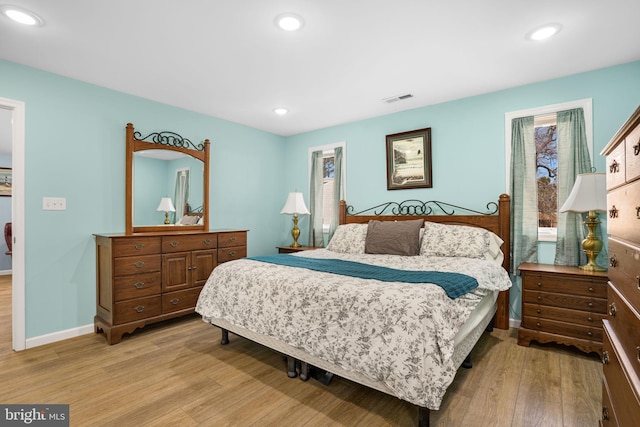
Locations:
(18, 306)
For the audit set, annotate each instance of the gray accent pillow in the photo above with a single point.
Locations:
(393, 237)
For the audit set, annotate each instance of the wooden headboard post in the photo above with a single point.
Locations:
(499, 222)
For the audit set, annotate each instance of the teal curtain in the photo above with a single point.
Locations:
(573, 159)
(524, 199)
(316, 237)
(337, 191)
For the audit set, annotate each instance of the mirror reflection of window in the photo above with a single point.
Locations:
(181, 194)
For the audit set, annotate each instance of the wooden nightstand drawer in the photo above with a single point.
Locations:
(136, 264)
(594, 305)
(587, 286)
(564, 314)
(624, 270)
(229, 254)
(137, 286)
(238, 238)
(624, 217)
(593, 333)
(625, 323)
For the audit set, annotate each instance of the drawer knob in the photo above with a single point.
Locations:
(139, 264)
(139, 309)
(539, 298)
(207, 241)
(590, 289)
(590, 305)
(636, 148)
(605, 413)
(638, 353)
(139, 285)
(232, 253)
(138, 246)
(605, 357)
(174, 301)
(538, 324)
(614, 167)
(174, 243)
(538, 311)
(613, 212)
(539, 284)
(613, 261)
(590, 319)
(232, 239)
(590, 333)
(637, 212)
(612, 309)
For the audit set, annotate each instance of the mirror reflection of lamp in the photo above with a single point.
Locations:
(166, 206)
(295, 205)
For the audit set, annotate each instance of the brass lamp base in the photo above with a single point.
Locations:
(591, 244)
(166, 218)
(295, 232)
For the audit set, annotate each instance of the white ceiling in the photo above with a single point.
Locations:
(227, 59)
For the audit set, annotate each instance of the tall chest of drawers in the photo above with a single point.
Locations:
(564, 305)
(621, 355)
(147, 278)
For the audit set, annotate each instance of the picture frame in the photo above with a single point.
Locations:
(409, 160)
(6, 183)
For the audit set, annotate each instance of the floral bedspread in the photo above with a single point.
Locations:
(397, 333)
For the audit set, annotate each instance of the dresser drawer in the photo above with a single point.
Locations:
(136, 264)
(621, 388)
(137, 309)
(624, 270)
(140, 285)
(584, 286)
(616, 167)
(591, 333)
(237, 238)
(609, 418)
(131, 246)
(593, 305)
(632, 154)
(181, 243)
(229, 254)
(179, 300)
(623, 205)
(564, 315)
(625, 323)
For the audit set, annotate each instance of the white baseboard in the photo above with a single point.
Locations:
(5, 272)
(59, 336)
(514, 323)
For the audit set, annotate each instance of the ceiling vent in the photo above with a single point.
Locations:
(397, 98)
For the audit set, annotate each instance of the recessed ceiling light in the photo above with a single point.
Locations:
(22, 16)
(544, 32)
(289, 22)
(280, 111)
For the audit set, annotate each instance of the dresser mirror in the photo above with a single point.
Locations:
(167, 183)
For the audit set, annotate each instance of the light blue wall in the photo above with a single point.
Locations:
(468, 145)
(75, 148)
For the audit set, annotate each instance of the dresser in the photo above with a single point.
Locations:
(621, 355)
(151, 277)
(564, 305)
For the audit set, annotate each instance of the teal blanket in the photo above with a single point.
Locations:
(454, 284)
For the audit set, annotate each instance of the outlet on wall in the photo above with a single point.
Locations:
(54, 203)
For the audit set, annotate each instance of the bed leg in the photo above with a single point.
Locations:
(225, 337)
(423, 416)
(467, 362)
(291, 367)
(304, 371)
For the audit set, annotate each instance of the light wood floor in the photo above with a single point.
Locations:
(178, 374)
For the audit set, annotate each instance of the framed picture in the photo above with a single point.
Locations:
(5, 182)
(409, 160)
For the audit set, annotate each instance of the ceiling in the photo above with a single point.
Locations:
(227, 58)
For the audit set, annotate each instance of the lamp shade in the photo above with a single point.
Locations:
(589, 193)
(295, 205)
(166, 205)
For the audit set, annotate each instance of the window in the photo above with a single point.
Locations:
(328, 171)
(547, 158)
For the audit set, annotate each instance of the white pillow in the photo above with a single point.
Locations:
(349, 239)
(455, 241)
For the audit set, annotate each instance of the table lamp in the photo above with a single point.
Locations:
(167, 206)
(295, 205)
(589, 195)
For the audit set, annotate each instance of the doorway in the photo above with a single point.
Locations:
(17, 125)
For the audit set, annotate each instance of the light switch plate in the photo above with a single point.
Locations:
(54, 203)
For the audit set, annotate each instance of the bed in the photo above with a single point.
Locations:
(395, 302)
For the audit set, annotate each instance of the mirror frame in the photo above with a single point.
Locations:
(163, 141)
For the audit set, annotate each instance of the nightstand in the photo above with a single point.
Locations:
(290, 250)
(564, 305)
